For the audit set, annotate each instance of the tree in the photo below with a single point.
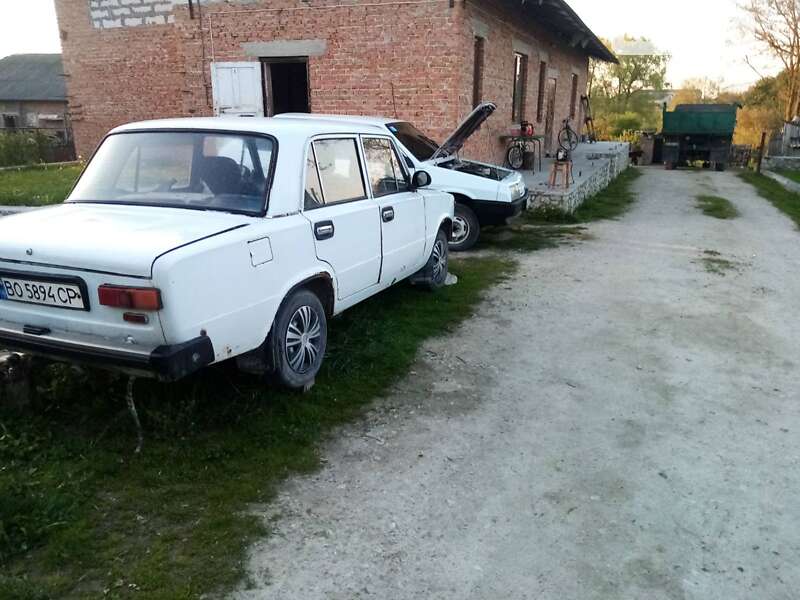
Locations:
(776, 25)
(619, 92)
(762, 109)
(635, 72)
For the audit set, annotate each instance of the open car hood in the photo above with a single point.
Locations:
(468, 126)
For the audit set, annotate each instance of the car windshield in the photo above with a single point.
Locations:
(185, 169)
(420, 145)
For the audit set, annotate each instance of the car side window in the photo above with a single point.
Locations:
(339, 170)
(386, 176)
(313, 189)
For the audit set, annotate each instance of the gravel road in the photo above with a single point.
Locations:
(616, 422)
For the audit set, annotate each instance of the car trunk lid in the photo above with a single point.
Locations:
(116, 239)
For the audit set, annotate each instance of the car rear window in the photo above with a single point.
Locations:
(186, 169)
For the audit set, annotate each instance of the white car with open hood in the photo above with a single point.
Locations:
(485, 194)
(190, 241)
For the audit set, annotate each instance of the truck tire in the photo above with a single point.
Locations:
(669, 166)
(466, 229)
(298, 340)
(720, 166)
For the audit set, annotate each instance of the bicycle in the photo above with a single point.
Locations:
(516, 153)
(567, 138)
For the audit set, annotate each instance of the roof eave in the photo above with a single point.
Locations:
(576, 32)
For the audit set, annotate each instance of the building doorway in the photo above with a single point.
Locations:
(285, 86)
(550, 114)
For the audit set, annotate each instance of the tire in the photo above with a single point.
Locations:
(298, 340)
(466, 229)
(516, 156)
(568, 139)
(669, 166)
(434, 274)
(720, 166)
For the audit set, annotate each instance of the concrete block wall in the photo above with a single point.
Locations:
(608, 165)
(773, 163)
(110, 14)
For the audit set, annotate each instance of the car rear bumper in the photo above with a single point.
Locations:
(166, 362)
(492, 212)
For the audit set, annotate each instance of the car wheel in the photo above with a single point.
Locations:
(466, 229)
(298, 340)
(434, 273)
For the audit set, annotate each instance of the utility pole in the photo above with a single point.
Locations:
(761, 152)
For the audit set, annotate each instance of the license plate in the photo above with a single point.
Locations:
(48, 293)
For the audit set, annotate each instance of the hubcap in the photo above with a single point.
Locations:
(303, 339)
(439, 260)
(460, 229)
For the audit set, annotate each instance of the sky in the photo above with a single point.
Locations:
(702, 36)
(28, 26)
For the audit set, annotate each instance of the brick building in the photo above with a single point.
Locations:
(32, 93)
(428, 61)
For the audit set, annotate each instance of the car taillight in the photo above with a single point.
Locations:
(129, 297)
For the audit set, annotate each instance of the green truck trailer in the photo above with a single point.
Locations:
(698, 132)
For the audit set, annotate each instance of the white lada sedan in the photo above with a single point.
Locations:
(190, 241)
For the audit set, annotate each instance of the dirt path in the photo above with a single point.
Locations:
(617, 422)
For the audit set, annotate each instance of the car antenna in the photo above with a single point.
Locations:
(394, 104)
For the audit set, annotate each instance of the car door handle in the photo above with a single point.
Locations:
(323, 230)
(387, 214)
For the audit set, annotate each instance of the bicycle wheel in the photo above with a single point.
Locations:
(516, 156)
(568, 139)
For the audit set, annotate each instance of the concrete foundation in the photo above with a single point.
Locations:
(594, 166)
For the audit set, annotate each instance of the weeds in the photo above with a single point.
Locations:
(713, 263)
(82, 516)
(784, 200)
(37, 186)
(717, 207)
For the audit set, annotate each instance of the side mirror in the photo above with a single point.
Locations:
(420, 179)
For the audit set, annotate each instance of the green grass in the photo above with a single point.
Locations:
(81, 515)
(609, 203)
(528, 238)
(36, 186)
(789, 174)
(784, 200)
(717, 207)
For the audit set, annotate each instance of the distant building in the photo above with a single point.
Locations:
(33, 94)
(429, 62)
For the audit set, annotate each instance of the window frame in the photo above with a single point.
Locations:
(361, 165)
(270, 175)
(542, 86)
(478, 69)
(397, 154)
(518, 103)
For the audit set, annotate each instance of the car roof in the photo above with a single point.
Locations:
(276, 126)
(357, 119)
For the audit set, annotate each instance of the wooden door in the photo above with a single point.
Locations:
(236, 89)
(550, 114)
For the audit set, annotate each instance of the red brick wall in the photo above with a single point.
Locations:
(423, 52)
(116, 75)
(502, 28)
(380, 60)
